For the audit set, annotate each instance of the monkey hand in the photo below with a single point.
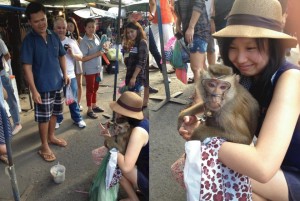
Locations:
(188, 126)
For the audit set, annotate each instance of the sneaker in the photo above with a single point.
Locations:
(57, 125)
(152, 90)
(17, 128)
(81, 124)
(80, 108)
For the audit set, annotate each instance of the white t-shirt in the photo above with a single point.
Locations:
(208, 5)
(4, 51)
(70, 62)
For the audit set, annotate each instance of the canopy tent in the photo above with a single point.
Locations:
(94, 13)
(106, 3)
(11, 8)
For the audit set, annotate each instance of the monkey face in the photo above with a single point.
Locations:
(215, 91)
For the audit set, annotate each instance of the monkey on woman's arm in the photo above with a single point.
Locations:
(228, 108)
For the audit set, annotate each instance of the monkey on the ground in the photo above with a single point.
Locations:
(229, 111)
(120, 134)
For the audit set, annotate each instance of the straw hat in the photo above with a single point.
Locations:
(256, 19)
(129, 104)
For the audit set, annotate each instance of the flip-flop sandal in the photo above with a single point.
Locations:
(4, 159)
(59, 142)
(47, 157)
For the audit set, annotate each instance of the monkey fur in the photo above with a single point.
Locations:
(120, 136)
(232, 115)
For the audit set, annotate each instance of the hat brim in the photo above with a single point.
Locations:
(119, 109)
(245, 31)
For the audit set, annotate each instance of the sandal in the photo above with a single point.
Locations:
(4, 159)
(47, 157)
(58, 142)
(92, 115)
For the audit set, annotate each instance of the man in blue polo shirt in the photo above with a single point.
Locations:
(44, 64)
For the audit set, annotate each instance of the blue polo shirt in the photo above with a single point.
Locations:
(44, 58)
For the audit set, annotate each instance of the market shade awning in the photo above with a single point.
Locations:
(94, 13)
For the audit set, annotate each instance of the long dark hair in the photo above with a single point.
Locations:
(262, 85)
(75, 35)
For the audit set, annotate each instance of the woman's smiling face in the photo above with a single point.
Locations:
(131, 34)
(246, 56)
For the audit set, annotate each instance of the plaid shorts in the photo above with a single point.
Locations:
(52, 104)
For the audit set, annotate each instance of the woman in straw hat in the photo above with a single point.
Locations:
(254, 45)
(135, 163)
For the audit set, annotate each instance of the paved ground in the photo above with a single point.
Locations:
(33, 174)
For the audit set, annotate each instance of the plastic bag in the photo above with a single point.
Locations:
(98, 191)
(112, 54)
(181, 74)
(69, 95)
(111, 167)
(176, 60)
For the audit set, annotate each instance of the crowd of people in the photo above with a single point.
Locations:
(251, 41)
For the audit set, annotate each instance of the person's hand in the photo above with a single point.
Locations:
(67, 80)
(189, 35)
(132, 82)
(104, 131)
(188, 126)
(36, 97)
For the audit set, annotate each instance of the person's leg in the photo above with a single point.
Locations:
(94, 96)
(79, 87)
(153, 50)
(127, 186)
(74, 107)
(90, 80)
(211, 55)
(129, 183)
(2, 149)
(12, 103)
(197, 59)
(57, 109)
(276, 189)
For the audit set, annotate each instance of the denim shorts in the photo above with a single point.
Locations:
(198, 44)
(52, 104)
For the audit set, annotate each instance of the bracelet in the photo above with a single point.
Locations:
(212, 17)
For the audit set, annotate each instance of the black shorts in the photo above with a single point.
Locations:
(292, 176)
(143, 184)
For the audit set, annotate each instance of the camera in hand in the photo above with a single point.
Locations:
(66, 46)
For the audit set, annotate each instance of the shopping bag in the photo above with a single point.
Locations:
(69, 96)
(192, 170)
(98, 191)
(181, 74)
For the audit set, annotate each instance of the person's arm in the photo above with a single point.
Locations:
(152, 9)
(263, 161)
(138, 138)
(63, 66)
(189, 34)
(29, 78)
(75, 52)
(84, 50)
